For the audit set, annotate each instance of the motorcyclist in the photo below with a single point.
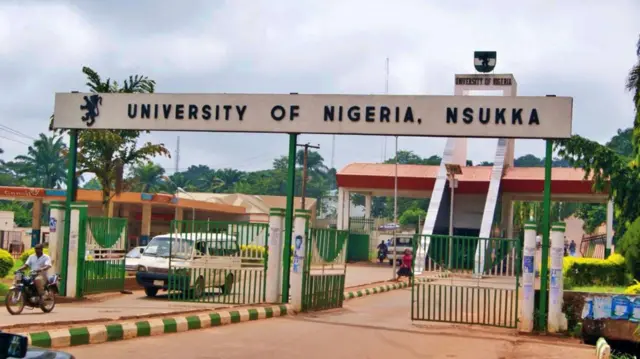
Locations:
(382, 251)
(40, 264)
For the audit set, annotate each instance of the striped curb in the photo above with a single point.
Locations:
(381, 289)
(603, 350)
(96, 334)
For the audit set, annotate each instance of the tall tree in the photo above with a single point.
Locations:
(107, 153)
(44, 163)
(147, 177)
(605, 163)
(633, 86)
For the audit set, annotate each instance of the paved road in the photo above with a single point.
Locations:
(137, 303)
(373, 327)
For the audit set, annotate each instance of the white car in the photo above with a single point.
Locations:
(132, 259)
(189, 252)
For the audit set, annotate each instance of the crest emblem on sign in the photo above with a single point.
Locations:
(485, 61)
(92, 109)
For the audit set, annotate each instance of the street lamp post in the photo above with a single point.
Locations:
(452, 171)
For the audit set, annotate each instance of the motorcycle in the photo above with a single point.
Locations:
(382, 255)
(23, 293)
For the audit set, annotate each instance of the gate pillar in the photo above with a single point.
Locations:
(274, 263)
(557, 321)
(56, 235)
(77, 236)
(528, 277)
(297, 268)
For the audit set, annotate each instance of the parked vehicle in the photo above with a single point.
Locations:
(15, 346)
(132, 259)
(186, 251)
(402, 243)
(23, 294)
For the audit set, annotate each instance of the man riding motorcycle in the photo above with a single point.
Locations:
(382, 251)
(38, 263)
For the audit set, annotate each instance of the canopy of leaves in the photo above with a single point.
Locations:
(106, 153)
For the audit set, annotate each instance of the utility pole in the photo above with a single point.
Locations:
(306, 146)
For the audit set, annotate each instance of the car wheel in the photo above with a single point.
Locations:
(228, 285)
(151, 291)
(198, 288)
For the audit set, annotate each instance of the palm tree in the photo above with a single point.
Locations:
(107, 153)
(44, 163)
(148, 177)
(633, 85)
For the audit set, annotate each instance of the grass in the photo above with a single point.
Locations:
(3, 290)
(599, 289)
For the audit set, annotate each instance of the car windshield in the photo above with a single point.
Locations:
(403, 242)
(160, 246)
(134, 253)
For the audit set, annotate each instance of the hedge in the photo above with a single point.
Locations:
(3, 291)
(633, 289)
(6, 263)
(599, 272)
(25, 255)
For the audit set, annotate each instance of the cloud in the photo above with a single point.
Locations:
(573, 48)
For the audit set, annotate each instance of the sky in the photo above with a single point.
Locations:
(578, 48)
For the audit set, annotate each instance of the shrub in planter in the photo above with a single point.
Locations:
(6, 263)
(633, 289)
(600, 272)
(25, 255)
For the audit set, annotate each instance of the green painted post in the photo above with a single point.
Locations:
(70, 198)
(545, 228)
(288, 217)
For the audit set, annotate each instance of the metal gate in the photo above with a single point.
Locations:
(481, 282)
(217, 262)
(104, 247)
(325, 269)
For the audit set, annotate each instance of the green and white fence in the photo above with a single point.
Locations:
(325, 269)
(103, 241)
(217, 262)
(481, 286)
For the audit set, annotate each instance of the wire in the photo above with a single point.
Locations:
(14, 140)
(16, 132)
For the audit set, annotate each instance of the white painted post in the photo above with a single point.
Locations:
(367, 205)
(274, 264)
(297, 268)
(557, 322)
(75, 235)
(609, 243)
(56, 235)
(528, 277)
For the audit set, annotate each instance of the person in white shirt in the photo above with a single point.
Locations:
(39, 263)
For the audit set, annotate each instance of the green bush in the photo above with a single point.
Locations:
(25, 255)
(595, 272)
(6, 263)
(629, 247)
(633, 289)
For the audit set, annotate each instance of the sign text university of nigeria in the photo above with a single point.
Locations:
(398, 114)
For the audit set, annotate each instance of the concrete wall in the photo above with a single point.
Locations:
(467, 210)
(593, 329)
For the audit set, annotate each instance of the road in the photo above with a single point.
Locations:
(372, 327)
(137, 304)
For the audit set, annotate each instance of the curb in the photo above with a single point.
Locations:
(381, 289)
(603, 350)
(96, 334)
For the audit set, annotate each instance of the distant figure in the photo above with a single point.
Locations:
(572, 248)
(383, 250)
(405, 268)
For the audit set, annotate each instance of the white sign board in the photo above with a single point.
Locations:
(438, 116)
